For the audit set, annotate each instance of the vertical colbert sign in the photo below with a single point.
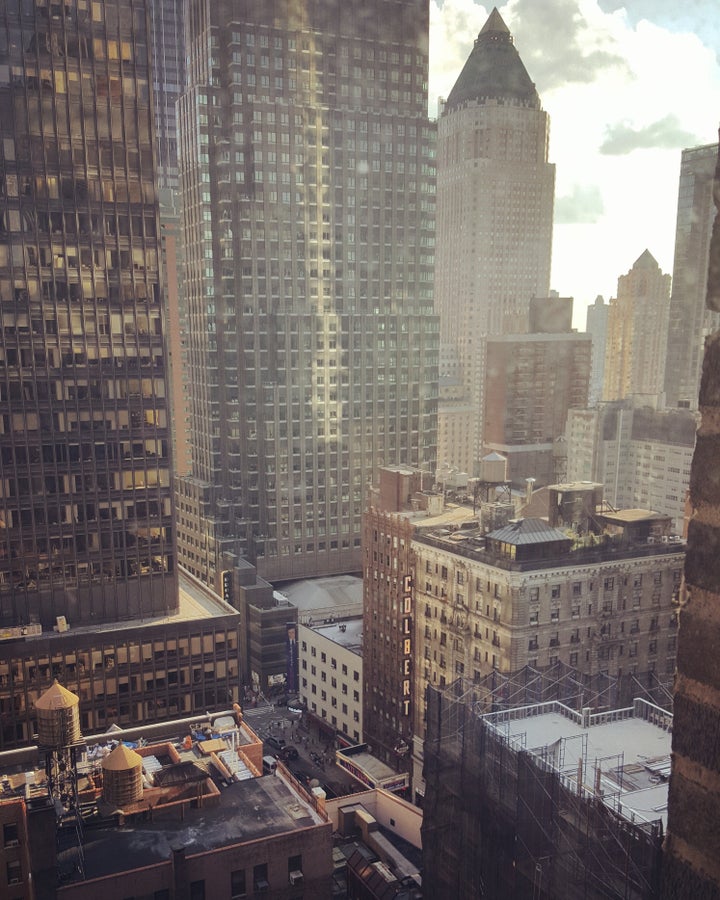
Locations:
(407, 601)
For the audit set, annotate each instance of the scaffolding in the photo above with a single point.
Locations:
(503, 821)
(498, 690)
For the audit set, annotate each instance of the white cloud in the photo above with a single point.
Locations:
(639, 92)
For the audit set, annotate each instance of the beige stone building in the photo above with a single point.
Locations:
(531, 594)
(637, 332)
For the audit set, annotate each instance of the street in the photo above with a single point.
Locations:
(316, 755)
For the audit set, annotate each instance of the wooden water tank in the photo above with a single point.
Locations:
(58, 713)
(122, 777)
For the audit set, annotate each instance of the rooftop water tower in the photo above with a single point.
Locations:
(59, 738)
(122, 777)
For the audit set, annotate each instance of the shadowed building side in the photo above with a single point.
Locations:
(692, 863)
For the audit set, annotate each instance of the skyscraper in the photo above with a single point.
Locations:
(596, 326)
(308, 182)
(690, 319)
(637, 332)
(88, 578)
(85, 508)
(494, 209)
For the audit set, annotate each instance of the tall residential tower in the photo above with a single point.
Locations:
(307, 170)
(494, 211)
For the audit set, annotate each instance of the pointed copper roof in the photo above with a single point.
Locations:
(493, 69)
(57, 697)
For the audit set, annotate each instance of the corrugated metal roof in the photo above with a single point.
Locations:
(528, 531)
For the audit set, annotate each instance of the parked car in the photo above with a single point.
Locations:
(275, 743)
(288, 753)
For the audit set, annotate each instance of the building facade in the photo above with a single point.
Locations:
(641, 455)
(88, 572)
(86, 500)
(532, 381)
(691, 321)
(526, 595)
(637, 332)
(494, 209)
(596, 326)
(308, 180)
(396, 508)
(331, 675)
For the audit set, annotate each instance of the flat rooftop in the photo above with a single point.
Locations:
(339, 595)
(347, 633)
(194, 602)
(626, 753)
(247, 810)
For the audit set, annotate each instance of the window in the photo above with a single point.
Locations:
(609, 584)
(577, 589)
(10, 835)
(295, 872)
(534, 594)
(14, 872)
(534, 617)
(555, 591)
(197, 890)
(237, 884)
(260, 877)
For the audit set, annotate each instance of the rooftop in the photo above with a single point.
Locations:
(348, 633)
(624, 755)
(493, 70)
(337, 596)
(247, 810)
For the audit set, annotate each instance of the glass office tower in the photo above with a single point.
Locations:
(85, 498)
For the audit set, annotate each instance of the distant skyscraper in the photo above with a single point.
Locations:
(596, 326)
(637, 332)
(494, 208)
(85, 505)
(308, 182)
(690, 319)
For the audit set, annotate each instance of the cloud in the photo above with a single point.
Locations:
(666, 134)
(565, 42)
(584, 205)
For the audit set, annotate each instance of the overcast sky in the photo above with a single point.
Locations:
(627, 86)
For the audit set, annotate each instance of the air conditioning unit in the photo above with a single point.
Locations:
(14, 843)
(296, 877)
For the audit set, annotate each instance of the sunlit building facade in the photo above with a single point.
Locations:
(690, 320)
(637, 329)
(85, 500)
(307, 174)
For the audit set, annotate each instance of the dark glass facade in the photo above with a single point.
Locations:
(307, 172)
(85, 497)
